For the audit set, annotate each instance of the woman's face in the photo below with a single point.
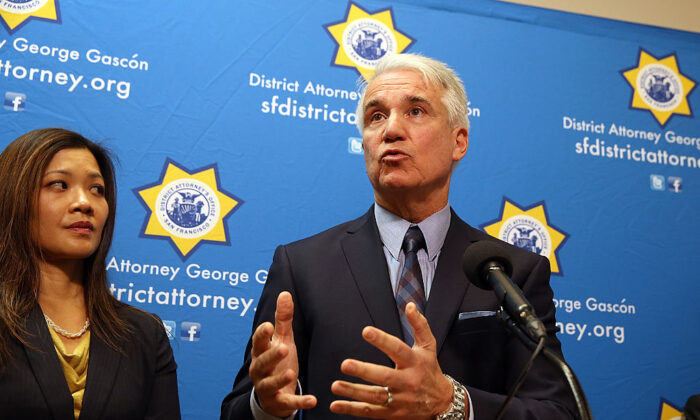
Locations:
(72, 208)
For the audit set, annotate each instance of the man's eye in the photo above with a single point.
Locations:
(416, 111)
(376, 116)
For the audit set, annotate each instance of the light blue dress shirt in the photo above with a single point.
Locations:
(392, 230)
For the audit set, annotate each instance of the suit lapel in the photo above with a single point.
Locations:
(363, 252)
(449, 284)
(46, 367)
(103, 366)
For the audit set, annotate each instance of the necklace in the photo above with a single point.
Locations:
(65, 333)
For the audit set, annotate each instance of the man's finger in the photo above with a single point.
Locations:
(271, 384)
(376, 374)
(394, 347)
(360, 409)
(421, 330)
(261, 339)
(296, 402)
(373, 394)
(265, 363)
(283, 404)
(284, 314)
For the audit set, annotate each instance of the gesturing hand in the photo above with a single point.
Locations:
(418, 388)
(274, 368)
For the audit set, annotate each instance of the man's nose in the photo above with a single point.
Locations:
(394, 129)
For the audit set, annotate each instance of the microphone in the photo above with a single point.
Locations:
(488, 266)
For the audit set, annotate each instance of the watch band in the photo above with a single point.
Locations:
(456, 411)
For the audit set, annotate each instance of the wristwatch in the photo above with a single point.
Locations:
(457, 410)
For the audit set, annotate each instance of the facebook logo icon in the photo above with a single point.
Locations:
(169, 328)
(675, 184)
(189, 331)
(15, 101)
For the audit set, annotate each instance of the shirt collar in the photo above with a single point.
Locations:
(392, 229)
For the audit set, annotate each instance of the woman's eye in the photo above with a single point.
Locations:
(58, 185)
(98, 189)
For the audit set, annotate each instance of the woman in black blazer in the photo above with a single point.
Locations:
(68, 349)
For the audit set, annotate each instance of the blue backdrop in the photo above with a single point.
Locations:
(233, 124)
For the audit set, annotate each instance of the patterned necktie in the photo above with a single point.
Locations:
(410, 287)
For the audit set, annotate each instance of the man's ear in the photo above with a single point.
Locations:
(461, 139)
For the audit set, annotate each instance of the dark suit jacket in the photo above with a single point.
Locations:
(340, 283)
(139, 384)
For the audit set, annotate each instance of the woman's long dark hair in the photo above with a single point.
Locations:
(22, 166)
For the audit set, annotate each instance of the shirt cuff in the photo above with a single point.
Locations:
(471, 407)
(259, 414)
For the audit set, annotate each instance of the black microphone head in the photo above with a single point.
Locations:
(478, 255)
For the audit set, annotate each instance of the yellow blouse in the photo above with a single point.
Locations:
(74, 367)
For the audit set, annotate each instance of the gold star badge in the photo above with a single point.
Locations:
(668, 412)
(528, 228)
(187, 207)
(659, 86)
(15, 13)
(363, 38)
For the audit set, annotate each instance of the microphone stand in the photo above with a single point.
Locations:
(584, 411)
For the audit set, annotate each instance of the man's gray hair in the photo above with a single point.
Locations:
(436, 73)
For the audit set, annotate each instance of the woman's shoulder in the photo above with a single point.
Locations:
(148, 337)
(141, 322)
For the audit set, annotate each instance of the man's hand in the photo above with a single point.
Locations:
(418, 388)
(274, 368)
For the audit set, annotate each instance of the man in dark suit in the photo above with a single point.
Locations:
(377, 310)
(692, 408)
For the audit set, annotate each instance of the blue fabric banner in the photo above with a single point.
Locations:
(234, 126)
